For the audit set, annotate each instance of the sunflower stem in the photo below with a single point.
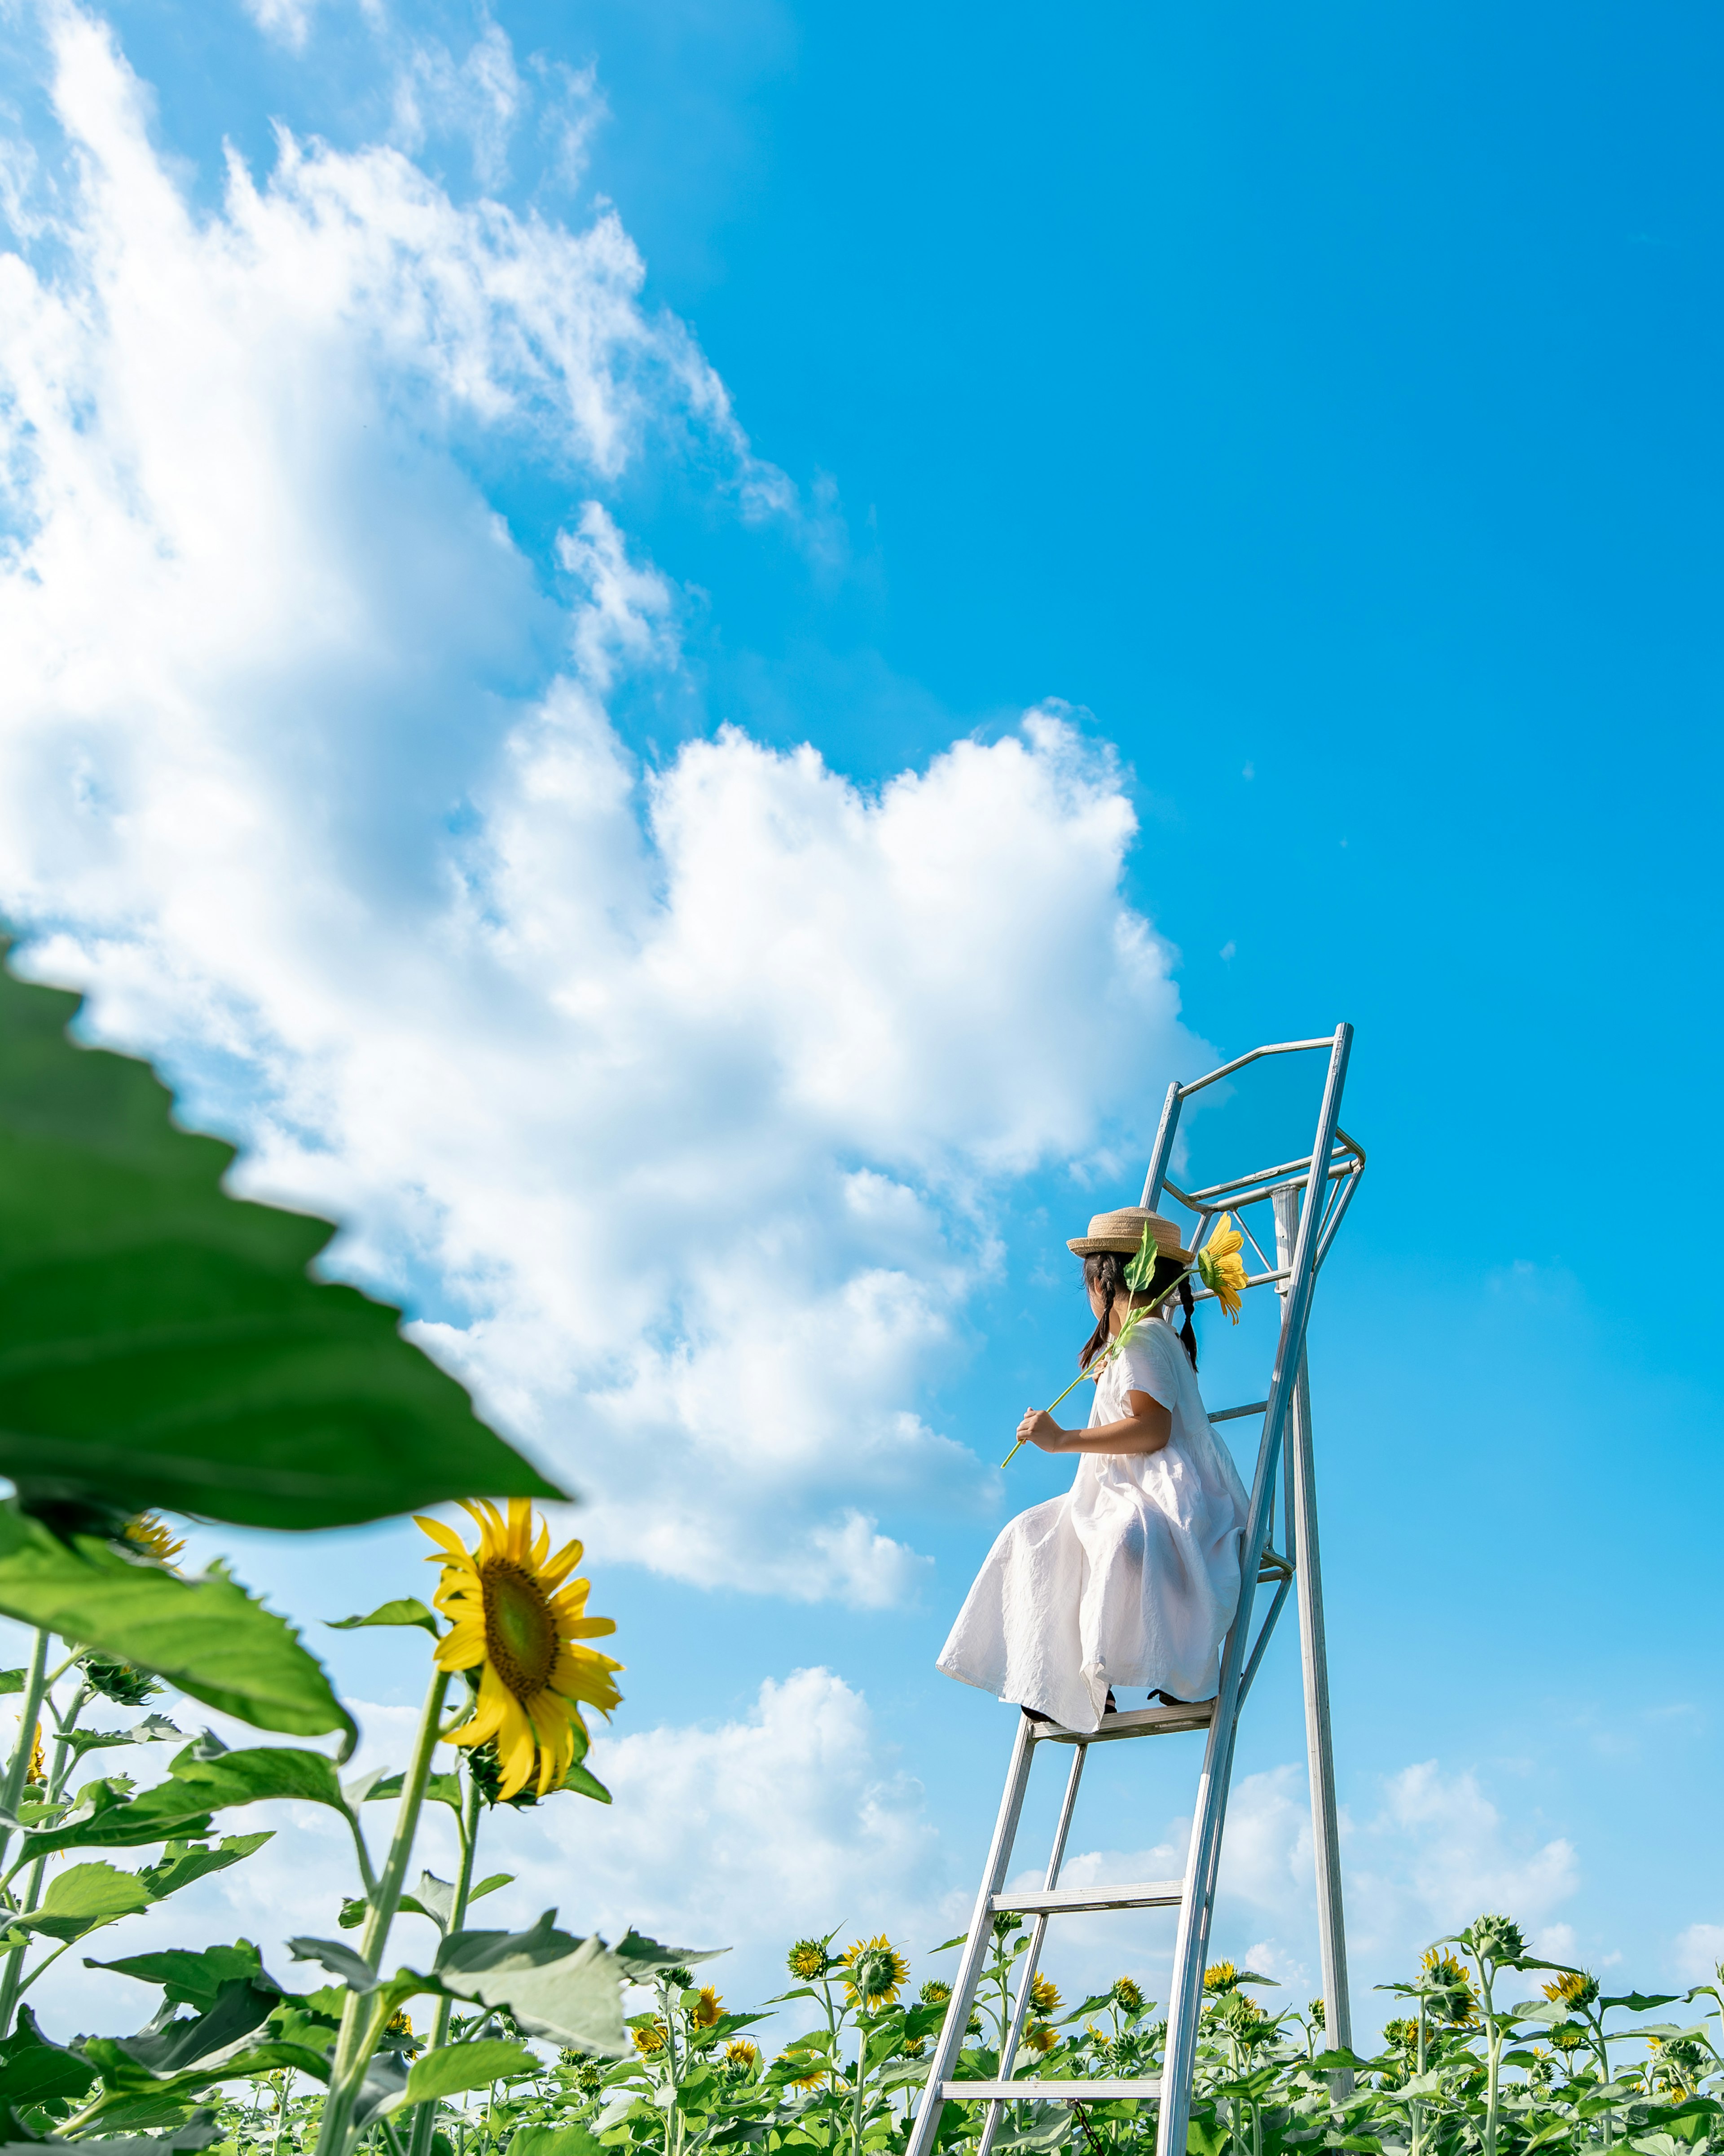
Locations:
(1095, 1368)
(36, 1684)
(425, 2117)
(362, 2018)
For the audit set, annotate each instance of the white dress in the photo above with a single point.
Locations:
(1131, 1577)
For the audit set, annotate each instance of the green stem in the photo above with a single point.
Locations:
(12, 1981)
(425, 2117)
(362, 2018)
(1095, 1368)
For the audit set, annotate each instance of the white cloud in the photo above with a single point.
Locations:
(680, 1099)
(1441, 1853)
(743, 1835)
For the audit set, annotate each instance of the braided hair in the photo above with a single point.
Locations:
(1104, 1273)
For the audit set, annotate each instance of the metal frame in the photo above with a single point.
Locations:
(1309, 1199)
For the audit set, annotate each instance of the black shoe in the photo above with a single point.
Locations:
(1113, 1705)
(1034, 1717)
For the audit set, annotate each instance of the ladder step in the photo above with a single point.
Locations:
(1135, 1722)
(1055, 1900)
(1035, 2092)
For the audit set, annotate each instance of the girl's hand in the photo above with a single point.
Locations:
(1040, 1428)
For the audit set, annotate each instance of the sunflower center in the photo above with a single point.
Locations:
(519, 1628)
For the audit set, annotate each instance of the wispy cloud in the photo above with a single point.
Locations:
(678, 1098)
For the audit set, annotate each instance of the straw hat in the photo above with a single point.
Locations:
(1123, 1231)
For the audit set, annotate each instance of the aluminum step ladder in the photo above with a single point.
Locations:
(1307, 1199)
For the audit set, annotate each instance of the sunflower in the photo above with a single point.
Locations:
(1221, 1976)
(1041, 2036)
(650, 2037)
(934, 1993)
(1318, 2011)
(149, 1533)
(807, 1958)
(1044, 1994)
(707, 2006)
(912, 2047)
(1127, 1996)
(1221, 1268)
(1447, 1978)
(513, 1618)
(874, 1972)
(814, 2068)
(1573, 1989)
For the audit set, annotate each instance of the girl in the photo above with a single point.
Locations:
(1132, 1577)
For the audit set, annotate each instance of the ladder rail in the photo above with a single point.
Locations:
(1314, 1665)
(1032, 1953)
(1186, 1992)
(969, 1970)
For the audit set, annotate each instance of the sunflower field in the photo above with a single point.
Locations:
(165, 1348)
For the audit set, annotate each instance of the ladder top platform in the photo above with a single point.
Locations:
(1135, 1722)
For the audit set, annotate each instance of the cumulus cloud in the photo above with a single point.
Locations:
(678, 1098)
(743, 1835)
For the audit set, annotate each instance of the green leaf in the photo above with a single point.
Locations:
(406, 1611)
(433, 1897)
(637, 1952)
(11, 1680)
(241, 2005)
(439, 1789)
(184, 1861)
(206, 1635)
(568, 1989)
(198, 2133)
(193, 1979)
(34, 2071)
(582, 1781)
(1643, 2002)
(353, 1970)
(258, 1774)
(180, 1806)
(162, 1344)
(453, 2067)
(556, 2141)
(104, 1818)
(490, 1885)
(83, 1898)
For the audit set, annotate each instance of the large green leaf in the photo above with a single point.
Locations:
(182, 1862)
(568, 1989)
(162, 1344)
(206, 1635)
(183, 1805)
(85, 1897)
(453, 2067)
(259, 1772)
(189, 1979)
(34, 2071)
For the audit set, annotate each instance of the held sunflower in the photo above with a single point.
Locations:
(517, 1618)
(1221, 1268)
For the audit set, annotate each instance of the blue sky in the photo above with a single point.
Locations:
(1314, 420)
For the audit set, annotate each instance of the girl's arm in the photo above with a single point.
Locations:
(1147, 1429)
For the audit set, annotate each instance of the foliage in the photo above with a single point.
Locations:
(688, 2079)
(162, 1344)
